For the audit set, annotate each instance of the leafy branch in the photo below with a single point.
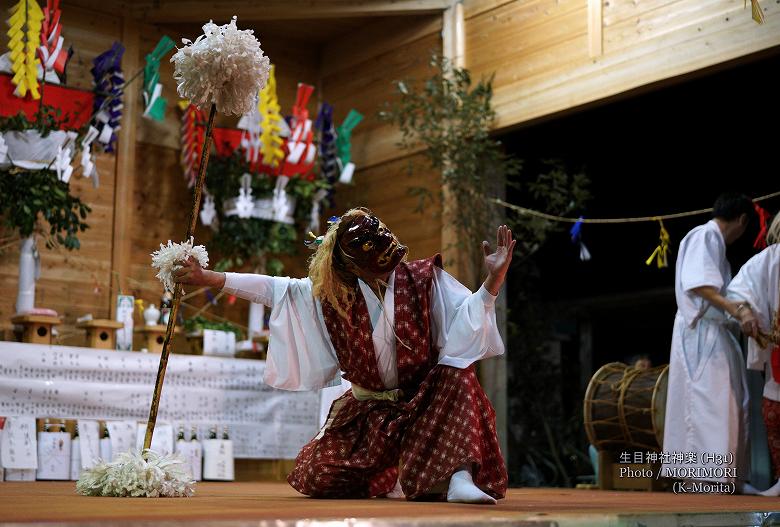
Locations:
(27, 197)
(449, 117)
(36, 201)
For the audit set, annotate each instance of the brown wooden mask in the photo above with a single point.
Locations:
(368, 248)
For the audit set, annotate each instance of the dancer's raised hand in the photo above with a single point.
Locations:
(497, 262)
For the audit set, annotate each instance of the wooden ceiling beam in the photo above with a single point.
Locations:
(174, 11)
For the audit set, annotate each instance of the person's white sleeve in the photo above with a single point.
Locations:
(702, 261)
(463, 323)
(300, 354)
(257, 288)
(751, 285)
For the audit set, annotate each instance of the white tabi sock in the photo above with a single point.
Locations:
(747, 489)
(772, 491)
(397, 492)
(463, 490)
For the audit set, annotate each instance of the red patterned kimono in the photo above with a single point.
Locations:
(442, 421)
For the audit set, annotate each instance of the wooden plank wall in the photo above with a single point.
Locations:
(69, 279)
(539, 49)
(357, 72)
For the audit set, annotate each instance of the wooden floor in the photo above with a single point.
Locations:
(277, 504)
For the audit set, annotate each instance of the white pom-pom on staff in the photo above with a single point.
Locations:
(224, 68)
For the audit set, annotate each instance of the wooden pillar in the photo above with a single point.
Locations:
(492, 372)
(595, 28)
(454, 49)
(124, 204)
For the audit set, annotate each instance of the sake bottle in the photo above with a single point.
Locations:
(75, 455)
(196, 455)
(105, 445)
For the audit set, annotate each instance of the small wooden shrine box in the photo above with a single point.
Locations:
(153, 337)
(37, 328)
(101, 332)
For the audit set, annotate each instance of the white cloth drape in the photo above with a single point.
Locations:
(707, 401)
(757, 284)
(301, 355)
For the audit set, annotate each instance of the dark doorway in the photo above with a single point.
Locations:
(670, 149)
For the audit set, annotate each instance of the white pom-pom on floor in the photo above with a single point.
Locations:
(139, 476)
(224, 66)
(166, 260)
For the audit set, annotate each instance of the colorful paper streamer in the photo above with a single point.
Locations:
(576, 237)
(344, 145)
(109, 87)
(192, 132)
(301, 152)
(661, 253)
(51, 52)
(154, 102)
(270, 121)
(763, 221)
(24, 36)
(329, 162)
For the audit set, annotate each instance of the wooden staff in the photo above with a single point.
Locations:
(204, 161)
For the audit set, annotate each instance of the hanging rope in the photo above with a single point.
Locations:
(638, 219)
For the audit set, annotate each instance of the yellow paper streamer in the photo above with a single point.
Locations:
(24, 37)
(755, 9)
(661, 253)
(269, 109)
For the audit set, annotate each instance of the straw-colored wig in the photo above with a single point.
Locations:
(773, 233)
(328, 284)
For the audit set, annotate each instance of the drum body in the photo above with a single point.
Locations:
(624, 407)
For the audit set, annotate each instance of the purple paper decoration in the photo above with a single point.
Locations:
(109, 86)
(329, 165)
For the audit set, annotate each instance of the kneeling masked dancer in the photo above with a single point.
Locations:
(406, 335)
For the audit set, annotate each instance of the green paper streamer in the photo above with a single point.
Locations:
(154, 108)
(344, 136)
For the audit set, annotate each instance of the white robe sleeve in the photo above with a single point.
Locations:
(701, 264)
(463, 323)
(752, 285)
(300, 353)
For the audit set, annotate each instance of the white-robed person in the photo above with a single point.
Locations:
(707, 401)
(757, 288)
